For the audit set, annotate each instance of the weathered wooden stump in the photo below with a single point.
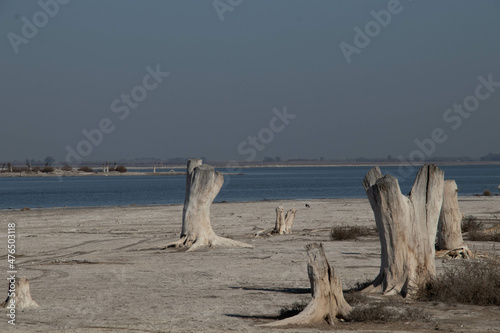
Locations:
(327, 297)
(279, 227)
(19, 295)
(450, 241)
(284, 222)
(407, 228)
(203, 184)
(289, 218)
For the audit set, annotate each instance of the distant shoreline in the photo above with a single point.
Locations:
(338, 164)
(233, 169)
(59, 173)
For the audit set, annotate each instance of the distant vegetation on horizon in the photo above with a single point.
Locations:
(149, 161)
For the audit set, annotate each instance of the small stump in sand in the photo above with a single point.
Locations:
(328, 299)
(203, 184)
(19, 295)
(284, 222)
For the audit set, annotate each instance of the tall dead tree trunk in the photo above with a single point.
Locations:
(449, 227)
(407, 228)
(203, 184)
(327, 297)
(19, 295)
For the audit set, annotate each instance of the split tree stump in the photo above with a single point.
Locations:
(450, 224)
(289, 218)
(407, 228)
(279, 227)
(284, 222)
(21, 295)
(328, 299)
(203, 184)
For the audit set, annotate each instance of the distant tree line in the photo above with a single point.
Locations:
(271, 159)
(491, 157)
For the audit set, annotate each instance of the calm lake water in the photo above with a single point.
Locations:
(255, 184)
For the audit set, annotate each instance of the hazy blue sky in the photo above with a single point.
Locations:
(227, 75)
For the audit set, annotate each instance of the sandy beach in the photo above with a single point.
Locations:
(104, 269)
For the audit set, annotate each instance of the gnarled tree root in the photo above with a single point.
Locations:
(202, 242)
(328, 299)
(460, 252)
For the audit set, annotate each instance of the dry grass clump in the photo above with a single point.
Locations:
(467, 281)
(47, 169)
(85, 169)
(353, 297)
(351, 232)
(121, 169)
(293, 310)
(487, 193)
(469, 224)
(385, 311)
(66, 168)
(476, 231)
(479, 236)
(19, 169)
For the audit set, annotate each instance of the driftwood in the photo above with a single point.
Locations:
(19, 295)
(327, 297)
(203, 184)
(284, 222)
(449, 227)
(407, 228)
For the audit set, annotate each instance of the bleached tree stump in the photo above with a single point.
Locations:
(20, 295)
(203, 184)
(407, 228)
(289, 218)
(449, 227)
(284, 222)
(279, 227)
(327, 297)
